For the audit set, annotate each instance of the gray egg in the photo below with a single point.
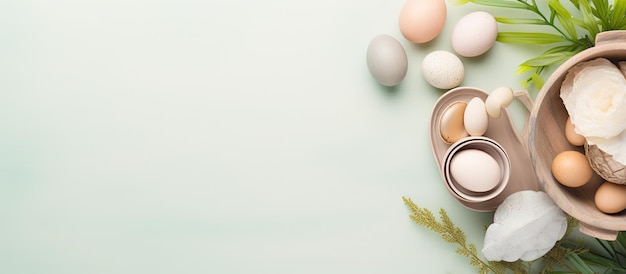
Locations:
(386, 60)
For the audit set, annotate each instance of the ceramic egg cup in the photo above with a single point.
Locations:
(501, 140)
(488, 146)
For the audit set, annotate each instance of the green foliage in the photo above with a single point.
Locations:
(566, 256)
(569, 30)
(453, 234)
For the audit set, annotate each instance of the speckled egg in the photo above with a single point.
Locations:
(386, 60)
(442, 69)
(474, 34)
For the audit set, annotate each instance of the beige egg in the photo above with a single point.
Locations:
(451, 125)
(570, 134)
(422, 20)
(500, 98)
(610, 198)
(475, 118)
(571, 168)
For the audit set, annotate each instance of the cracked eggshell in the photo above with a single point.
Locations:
(604, 164)
(525, 226)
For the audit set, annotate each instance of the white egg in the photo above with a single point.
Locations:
(442, 69)
(386, 60)
(474, 34)
(498, 99)
(475, 170)
(475, 118)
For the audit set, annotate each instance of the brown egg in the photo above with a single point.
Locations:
(611, 198)
(571, 168)
(451, 125)
(570, 134)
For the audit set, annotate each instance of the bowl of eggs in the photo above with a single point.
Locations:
(560, 152)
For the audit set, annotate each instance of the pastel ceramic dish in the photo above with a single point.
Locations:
(501, 135)
(547, 139)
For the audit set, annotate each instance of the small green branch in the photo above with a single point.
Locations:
(451, 233)
(535, 9)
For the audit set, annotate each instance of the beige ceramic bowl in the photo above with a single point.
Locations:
(519, 174)
(493, 149)
(547, 139)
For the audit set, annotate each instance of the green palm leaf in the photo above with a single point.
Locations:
(530, 38)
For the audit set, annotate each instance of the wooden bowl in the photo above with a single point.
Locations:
(547, 139)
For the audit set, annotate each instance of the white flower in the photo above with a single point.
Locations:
(525, 227)
(594, 94)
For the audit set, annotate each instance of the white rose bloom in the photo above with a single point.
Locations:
(594, 94)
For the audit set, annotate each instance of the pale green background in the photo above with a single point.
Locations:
(168, 136)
